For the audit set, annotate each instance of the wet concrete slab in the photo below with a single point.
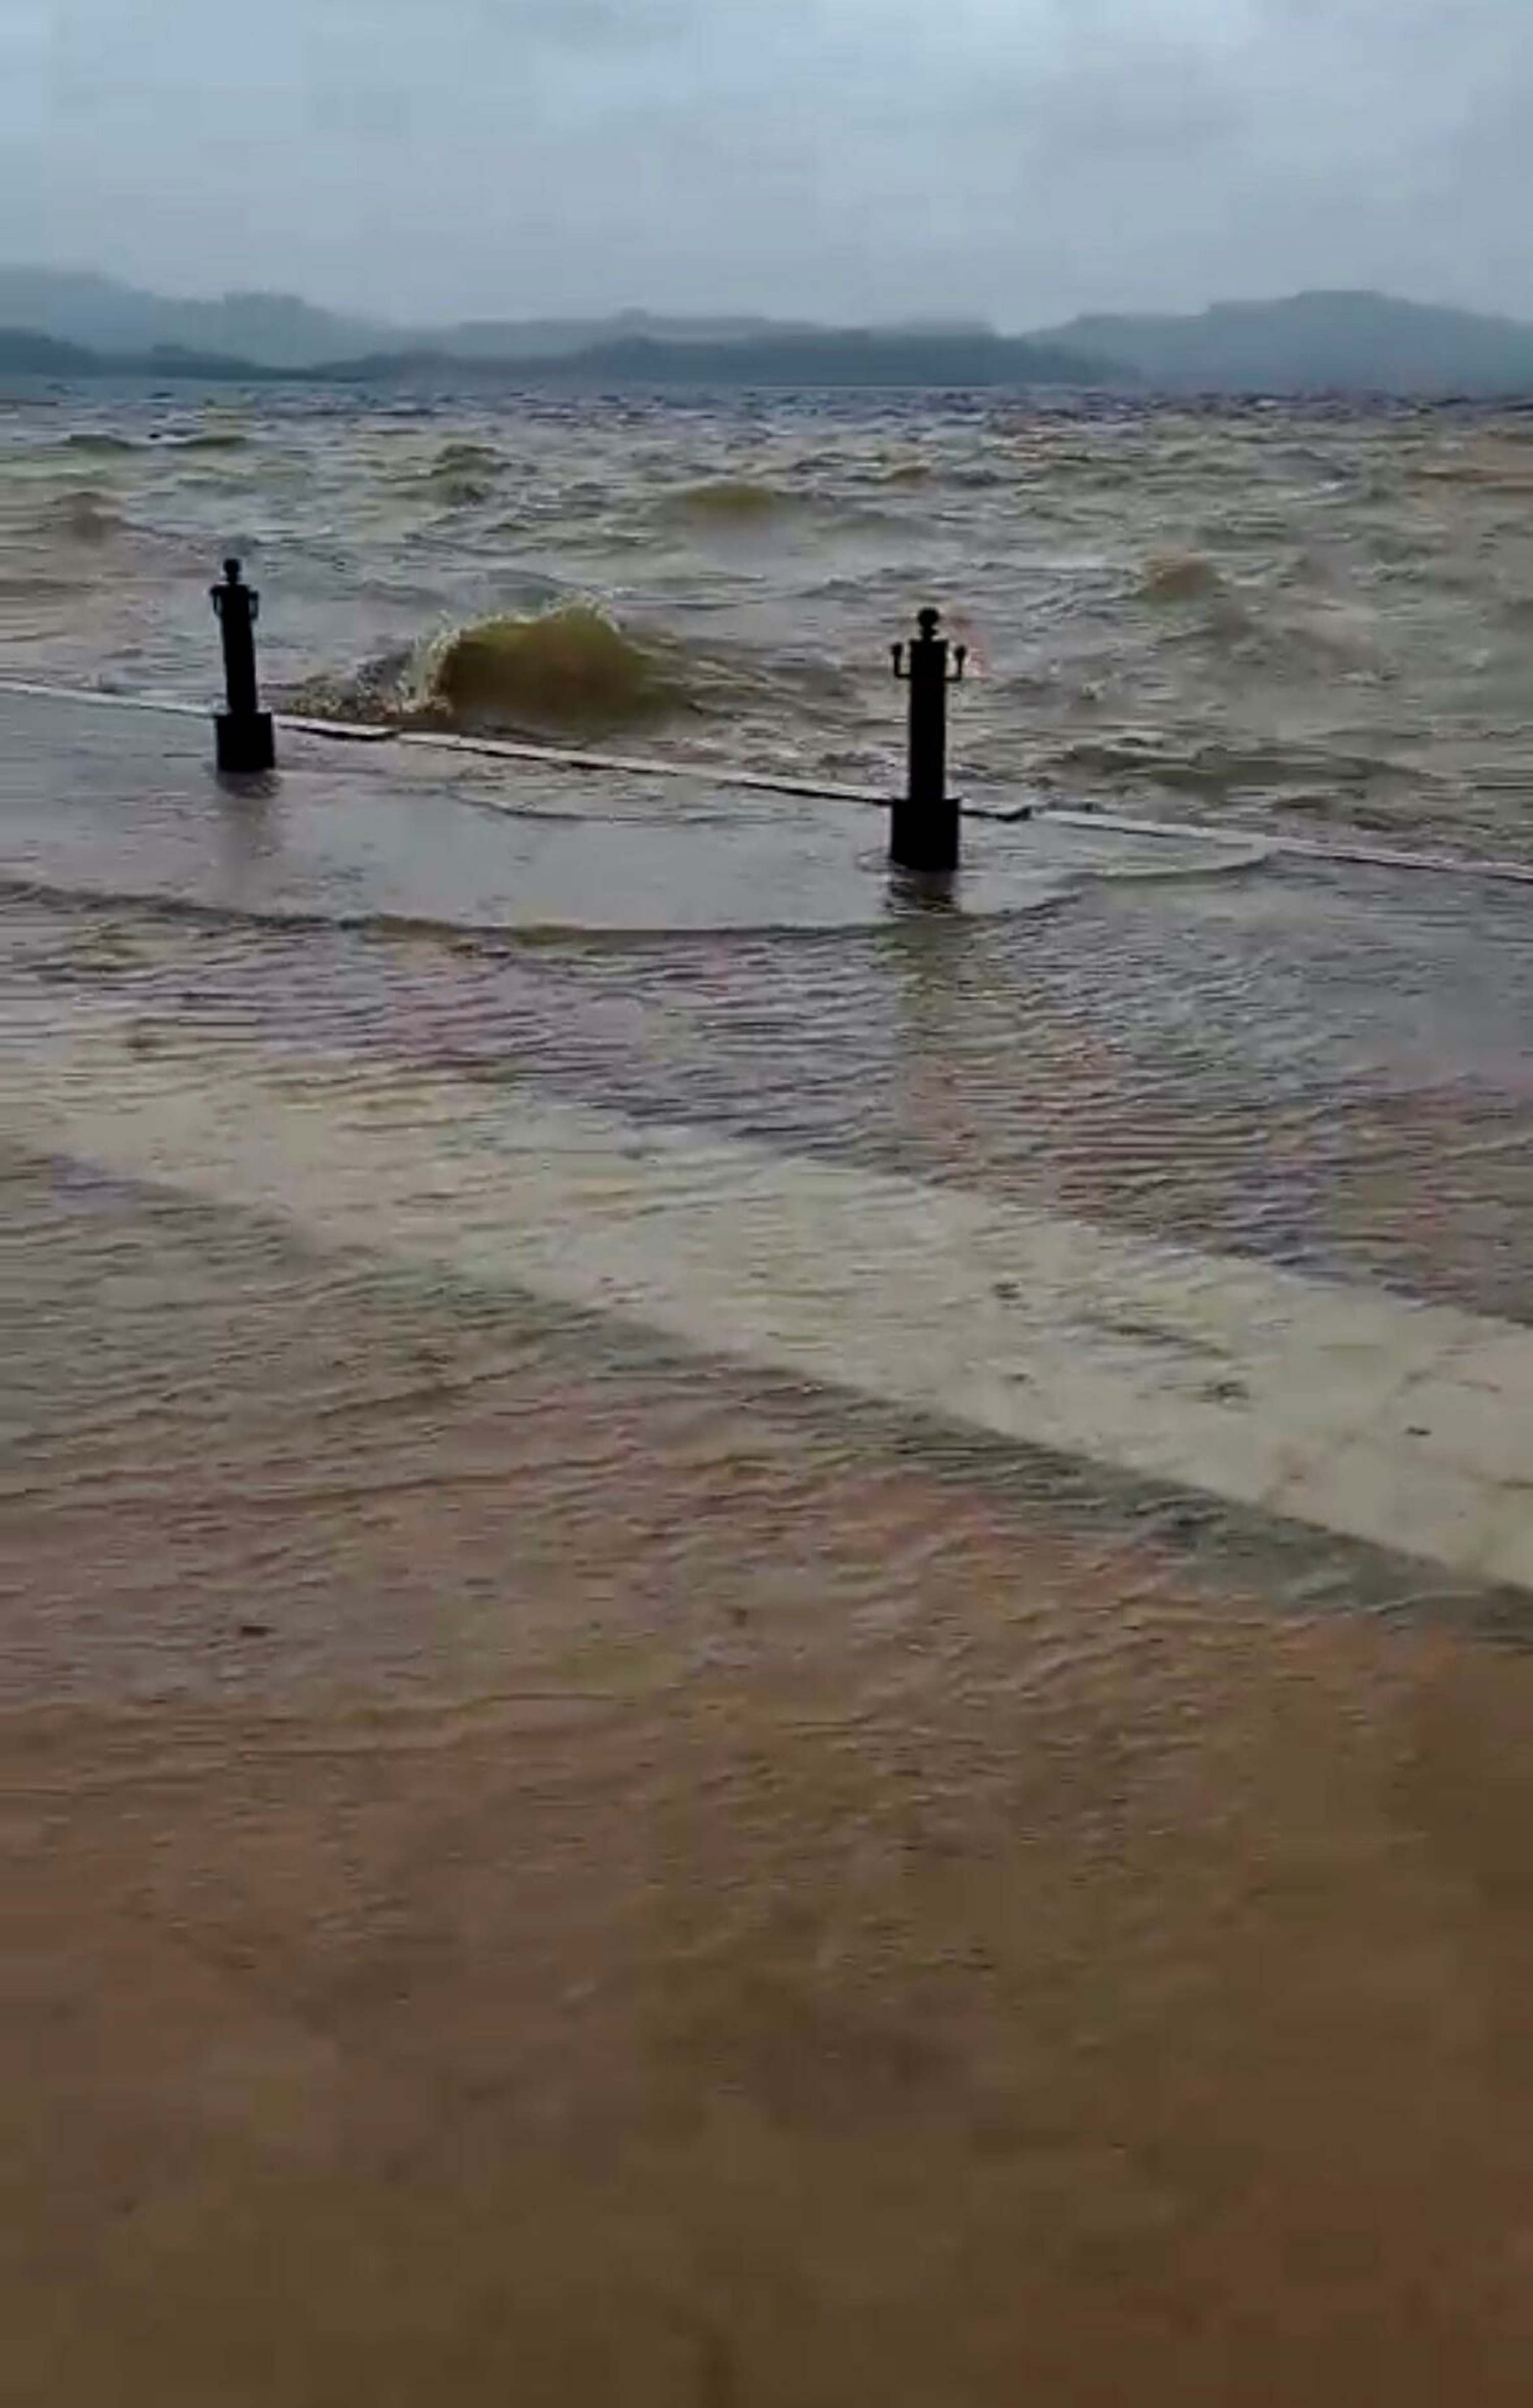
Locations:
(1406, 1425)
(125, 803)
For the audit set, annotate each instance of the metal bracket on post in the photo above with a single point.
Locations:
(247, 745)
(924, 828)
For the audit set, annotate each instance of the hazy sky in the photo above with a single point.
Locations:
(850, 158)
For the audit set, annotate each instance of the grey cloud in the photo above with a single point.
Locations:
(1164, 103)
(846, 157)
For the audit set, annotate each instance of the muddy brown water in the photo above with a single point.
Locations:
(1309, 615)
(537, 1869)
(540, 1865)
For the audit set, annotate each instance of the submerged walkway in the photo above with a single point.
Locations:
(761, 1643)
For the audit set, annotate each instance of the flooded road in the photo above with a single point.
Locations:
(560, 1846)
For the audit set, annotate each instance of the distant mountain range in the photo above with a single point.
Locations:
(1317, 342)
(76, 324)
(781, 359)
(28, 355)
(276, 330)
(823, 358)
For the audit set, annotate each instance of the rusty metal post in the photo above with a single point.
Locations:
(924, 828)
(246, 743)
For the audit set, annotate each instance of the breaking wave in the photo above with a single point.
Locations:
(84, 516)
(467, 460)
(209, 438)
(462, 476)
(572, 668)
(1180, 576)
(566, 671)
(730, 502)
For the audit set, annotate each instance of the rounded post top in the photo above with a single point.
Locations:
(236, 603)
(928, 622)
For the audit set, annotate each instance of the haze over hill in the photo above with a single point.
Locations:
(1315, 342)
(272, 329)
(280, 331)
(824, 360)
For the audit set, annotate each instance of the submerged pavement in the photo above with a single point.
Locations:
(782, 1660)
(1404, 1423)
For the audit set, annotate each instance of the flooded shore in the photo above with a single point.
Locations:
(765, 1642)
(1307, 615)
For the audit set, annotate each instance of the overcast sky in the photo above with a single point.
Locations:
(840, 158)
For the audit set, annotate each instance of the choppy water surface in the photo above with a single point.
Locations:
(1302, 610)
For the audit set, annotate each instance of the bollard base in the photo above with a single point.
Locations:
(924, 837)
(247, 746)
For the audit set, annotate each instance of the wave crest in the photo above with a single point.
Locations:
(210, 438)
(729, 502)
(83, 516)
(1180, 576)
(462, 476)
(568, 668)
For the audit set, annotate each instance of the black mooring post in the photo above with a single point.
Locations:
(246, 744)
(924, 828)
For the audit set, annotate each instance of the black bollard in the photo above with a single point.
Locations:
(246, 744)
(924, 829)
